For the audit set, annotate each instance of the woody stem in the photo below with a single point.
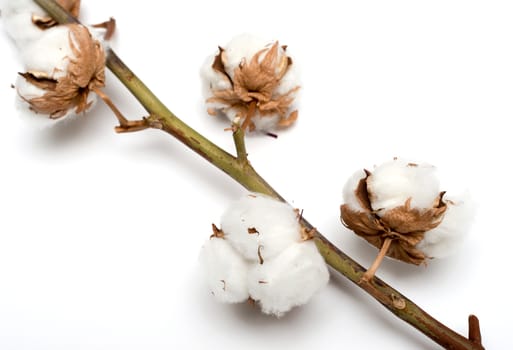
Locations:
(242, 172)
(369, 274)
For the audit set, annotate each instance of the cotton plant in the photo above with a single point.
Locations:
(262, 253)
(253, 82)
(400, 209)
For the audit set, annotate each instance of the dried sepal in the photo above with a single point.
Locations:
(69, 92)
(45, 22)
(403, 224)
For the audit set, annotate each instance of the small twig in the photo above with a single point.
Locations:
(125, 125)
(369, 274)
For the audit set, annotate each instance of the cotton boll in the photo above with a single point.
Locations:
(393, 183)
(449, 235)
(349, 191)
(68, 64)
(225, 271)
(252, 82)
(288, 280)
(260, 227)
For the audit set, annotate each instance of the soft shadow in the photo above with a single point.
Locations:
(68, 134)
(160, 148)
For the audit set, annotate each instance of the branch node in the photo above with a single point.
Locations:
(398, 302)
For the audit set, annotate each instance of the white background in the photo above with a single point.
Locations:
(99, 233)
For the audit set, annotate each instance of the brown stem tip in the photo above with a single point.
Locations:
(474, 331)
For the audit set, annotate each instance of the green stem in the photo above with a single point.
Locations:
(242, 172)
(239, 140)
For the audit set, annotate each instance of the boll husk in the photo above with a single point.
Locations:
(62, 68)
(25, 21)
(402, 201)
(253, 83)
(261, 253)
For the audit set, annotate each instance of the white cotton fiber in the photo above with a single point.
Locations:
(242, 47)
(450, 234)
(349, 191)
(260, 227)
(212, 79)
(393, 183)
(50, 54)
(225, 271)
(17, 19)
(290, 279)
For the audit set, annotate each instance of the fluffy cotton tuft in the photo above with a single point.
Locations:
(393, 183)
(253, 82)
(225, 271)
(50, 54)
(259, 253)
(17, 18)
(448, 236)
(349, 191)
(260, 227)
(288, 280)
(240, 48)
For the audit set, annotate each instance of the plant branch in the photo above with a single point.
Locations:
(242, 172)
